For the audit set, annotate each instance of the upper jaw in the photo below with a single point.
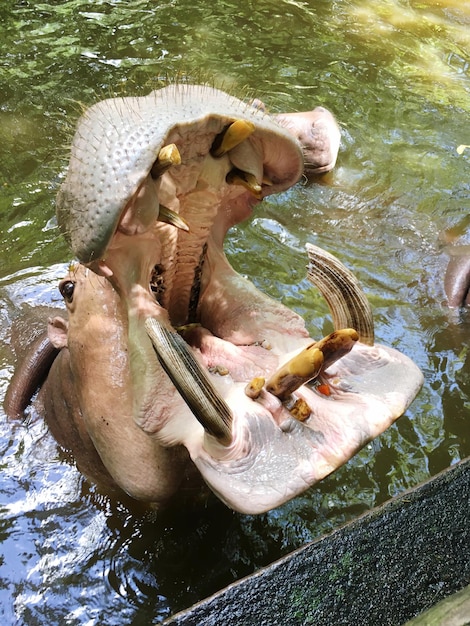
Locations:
(118, 142)
(206, 178)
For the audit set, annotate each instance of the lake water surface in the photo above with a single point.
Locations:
(396, 74)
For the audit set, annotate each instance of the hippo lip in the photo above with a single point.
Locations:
(316, 128)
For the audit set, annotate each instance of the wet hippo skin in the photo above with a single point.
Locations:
(168, 360)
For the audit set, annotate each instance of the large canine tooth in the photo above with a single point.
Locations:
(310, 362)
(245, 179)
(191, 381)
(347, 302)
(169, 155)
(170, 217)
(336, 345)
(299, 370)
(231, 136)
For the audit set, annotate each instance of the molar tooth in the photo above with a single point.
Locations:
(168, 216)
(231, 136)
(247, 180)
(169, 155)
(191, 381)
(346, 300)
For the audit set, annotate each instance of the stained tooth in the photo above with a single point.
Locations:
(169, 155)
(300, 410)
(231, 136)
(336, 345)
(299, 370)
(347, 302)
(310, 362)
(254, 388)
(191, 381)
(168, 216)
(247, 180)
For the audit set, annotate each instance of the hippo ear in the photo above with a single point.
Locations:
(57, 329)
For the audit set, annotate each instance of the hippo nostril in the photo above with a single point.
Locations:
(66, 288)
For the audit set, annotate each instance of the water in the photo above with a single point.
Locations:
(396, 74)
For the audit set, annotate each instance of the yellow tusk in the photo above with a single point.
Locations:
(336, 345)
(310, 362)
(231, 136)
(299, 370)
(169, 155)
(245, 179)
(168, 216)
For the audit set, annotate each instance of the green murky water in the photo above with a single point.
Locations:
(396, 73)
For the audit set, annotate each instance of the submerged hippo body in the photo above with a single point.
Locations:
(457, 276)
(169, 358)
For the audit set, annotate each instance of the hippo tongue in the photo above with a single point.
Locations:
(263, 456)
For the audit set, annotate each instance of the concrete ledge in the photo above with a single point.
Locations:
(385, 567)
(452, 611)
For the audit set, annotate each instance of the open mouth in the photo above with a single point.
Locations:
(275, 411)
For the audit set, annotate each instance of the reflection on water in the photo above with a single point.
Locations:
(396, 74)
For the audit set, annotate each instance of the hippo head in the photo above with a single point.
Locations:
(169, 347)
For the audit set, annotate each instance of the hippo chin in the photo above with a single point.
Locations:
(167, 350)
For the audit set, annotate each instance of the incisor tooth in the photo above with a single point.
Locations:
(231, 136)
(300, 410)
(299, 370)
(169, 155)
(254, 388)
(336, 345)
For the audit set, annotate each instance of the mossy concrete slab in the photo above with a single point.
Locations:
(384, 568)
(452, 611)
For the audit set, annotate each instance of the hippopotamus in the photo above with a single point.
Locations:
(457, 276)
(167, 362)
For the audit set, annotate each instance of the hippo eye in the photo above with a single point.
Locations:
(66, 289)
